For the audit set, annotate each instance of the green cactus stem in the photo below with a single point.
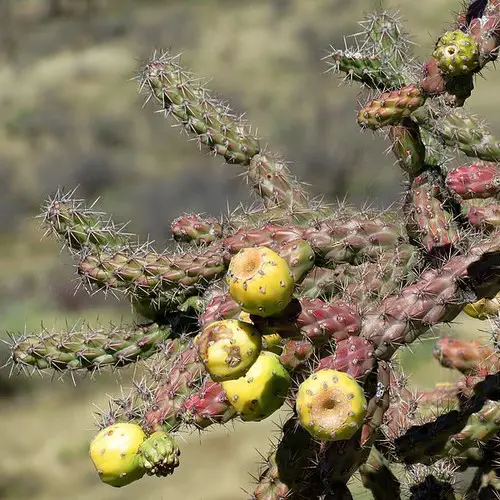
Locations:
(87, 348)
(408, 147)
(455, 128)
(364, 68)
(80, 227)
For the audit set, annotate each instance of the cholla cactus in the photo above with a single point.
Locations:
(333, 292)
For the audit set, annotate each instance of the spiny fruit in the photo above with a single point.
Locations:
(456, 53)
(228, 348)
(260, 281)
(114, 453)
(331, 405)
(261, 391)
(159, 454)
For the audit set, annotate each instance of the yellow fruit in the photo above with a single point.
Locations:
(260, 281)
(331, 405)
(261, 391)
(483, 309)
(114, 454)
(271, 342)
(228, 348)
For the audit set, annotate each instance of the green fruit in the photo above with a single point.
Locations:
(456, 53)
(260, 281)
(114, 454)
(261, 391)
(228, 348)
(159, 454)
(331, 405)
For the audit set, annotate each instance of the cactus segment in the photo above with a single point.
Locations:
(408, 147)
(391, 107)
(114, 452)
(273, 182)
(228, 348)
(366, 69)
(455, 128)
(482, 214)
(207, 405)
(456, 53)
(159, 454)
(353, 356)
(478, 180)
(434, 225)
(89, 348)
(81, 227)
(184, 98)
(467, 356)
(260, 281)
(331, 405)
(196, 229)
(261, 391)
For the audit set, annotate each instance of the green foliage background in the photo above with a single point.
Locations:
(70, 115)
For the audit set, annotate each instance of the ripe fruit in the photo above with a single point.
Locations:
(260, 281)
(114, 454)
(228, 348)
(261, 391)
(456, 53)
(331, 405)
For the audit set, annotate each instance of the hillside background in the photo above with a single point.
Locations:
(71, 115)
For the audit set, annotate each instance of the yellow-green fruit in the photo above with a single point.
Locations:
(228, 348)
(260, 281)
(272, 342)
(261, 391)
(456, 53)
(483, 309)
(331, 405)
(114, 454)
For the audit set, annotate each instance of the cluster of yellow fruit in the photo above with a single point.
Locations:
(233, 350)
(122, 453)
(330, 405)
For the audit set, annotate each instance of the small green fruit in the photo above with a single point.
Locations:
(456, 53)
(114, 454)
(159, 454)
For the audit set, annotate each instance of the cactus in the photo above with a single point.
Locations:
(315, 300)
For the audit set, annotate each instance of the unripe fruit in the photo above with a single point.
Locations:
(159, 454)
(114, 454)
(228, 348)
(456, 53)
(260, 281)
(261, 391)
(331, 405)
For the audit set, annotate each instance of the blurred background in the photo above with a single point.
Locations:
(71, 115)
